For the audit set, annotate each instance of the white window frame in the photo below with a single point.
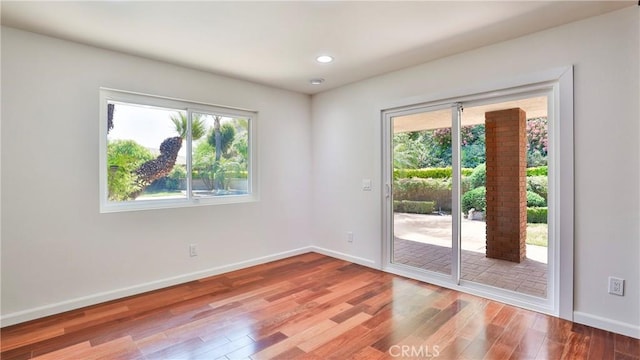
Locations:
(106, 206)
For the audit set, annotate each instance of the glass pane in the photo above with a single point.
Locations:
(220, 155)
(422, 190)
(145, 153)
(504, 192)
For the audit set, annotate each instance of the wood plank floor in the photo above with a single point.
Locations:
(308, 307)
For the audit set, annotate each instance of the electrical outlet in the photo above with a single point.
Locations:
(193, 250)
(616, 286)
(349, 236)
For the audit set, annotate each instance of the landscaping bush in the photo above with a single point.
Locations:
(429, 173)
(535, 200)
(537, 171)
(465, 184)
(436, 190)
(478, 177)
(538, 184)
(475, 199)
(414, 207)
(537, 215)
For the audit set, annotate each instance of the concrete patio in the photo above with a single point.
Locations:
(424, 241)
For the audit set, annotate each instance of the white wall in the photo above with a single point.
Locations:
(346, 142)
(58, 251)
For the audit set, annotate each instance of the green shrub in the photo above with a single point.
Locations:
(123, 158)
(465, 184)
(414, 207)
(537, 171)
(479, 176)
(535, 200)
(539, 185)
(537, 215)
(429, 173)
(475, 199)
(436, 190)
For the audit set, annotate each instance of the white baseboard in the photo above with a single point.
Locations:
(615, 326)
(71, 304)
(346, 257)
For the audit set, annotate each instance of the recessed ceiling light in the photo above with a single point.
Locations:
(324, 59)
(316, 81)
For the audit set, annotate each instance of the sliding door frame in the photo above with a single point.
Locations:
(557, 84)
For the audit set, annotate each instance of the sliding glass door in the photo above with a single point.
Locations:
(468, 194)
(422, 199)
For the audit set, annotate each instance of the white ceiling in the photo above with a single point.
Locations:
(275, 43)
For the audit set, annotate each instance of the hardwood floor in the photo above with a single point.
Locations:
(308, 307)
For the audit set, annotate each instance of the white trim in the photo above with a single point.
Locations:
(456, 192)
(71, 304)
(386, 174)
(496, 88)
(345, 257)
(565, 168)
(599, 322)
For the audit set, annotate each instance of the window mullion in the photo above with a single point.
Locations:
(456, 217)
(188, 156)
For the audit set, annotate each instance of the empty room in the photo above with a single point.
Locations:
(320, 180)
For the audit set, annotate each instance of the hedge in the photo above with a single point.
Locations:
(539, 185)
(414, 207)
(535, 200)
(443, 173)
(436, 190)
(537, 215)
(429, 173)
(537, 171)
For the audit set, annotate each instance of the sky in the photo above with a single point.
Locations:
(148, 126)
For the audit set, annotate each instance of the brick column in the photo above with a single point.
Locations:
(506, 213)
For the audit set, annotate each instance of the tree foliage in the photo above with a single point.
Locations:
(227, 135)
(163, 164)
(432, 148)
(224, 154)
(198, 128)
(537, 141)
(123, 158)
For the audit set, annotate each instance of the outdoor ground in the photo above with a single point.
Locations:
(424, 241)
(436, 230)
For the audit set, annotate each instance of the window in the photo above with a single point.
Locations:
(158, 153)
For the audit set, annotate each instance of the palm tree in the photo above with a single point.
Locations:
(220, 139)
(162, 165)
(198, 127)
